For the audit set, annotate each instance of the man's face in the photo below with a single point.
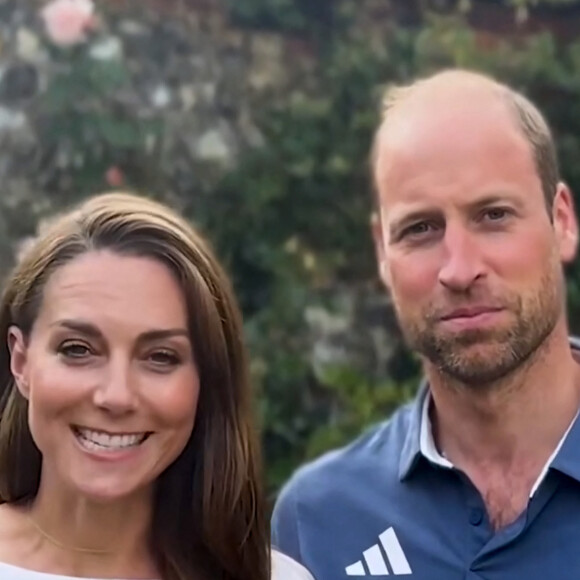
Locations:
(465, 242)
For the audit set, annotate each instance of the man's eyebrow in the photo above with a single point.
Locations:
(403, 218)
(495, 199)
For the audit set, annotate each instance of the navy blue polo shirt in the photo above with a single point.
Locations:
(383, 507)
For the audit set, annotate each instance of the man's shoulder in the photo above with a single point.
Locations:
(377, 449)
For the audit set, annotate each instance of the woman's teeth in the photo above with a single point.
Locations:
(99, 440)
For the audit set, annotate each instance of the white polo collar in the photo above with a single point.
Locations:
(429, 449)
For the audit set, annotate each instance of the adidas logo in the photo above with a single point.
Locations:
(382, 562)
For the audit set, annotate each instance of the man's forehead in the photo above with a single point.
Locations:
(446, 85)
(430, 135)
(444, 115)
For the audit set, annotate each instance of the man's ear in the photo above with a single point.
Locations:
(380, 251)
(565, 223)
(18, 348)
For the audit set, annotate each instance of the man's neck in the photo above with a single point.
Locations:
(525, 416)
(503, 437)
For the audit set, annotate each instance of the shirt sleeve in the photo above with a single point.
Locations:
(284, 524)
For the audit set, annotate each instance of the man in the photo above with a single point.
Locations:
(479, 478)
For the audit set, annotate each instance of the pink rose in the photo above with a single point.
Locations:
(114, 176)
(68, 21)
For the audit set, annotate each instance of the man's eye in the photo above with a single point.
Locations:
(74, 350)
(418, 229)
(496, 214)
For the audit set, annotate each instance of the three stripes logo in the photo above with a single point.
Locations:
(391, 559)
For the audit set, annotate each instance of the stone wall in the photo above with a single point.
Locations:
(187, 66)
(203, 80)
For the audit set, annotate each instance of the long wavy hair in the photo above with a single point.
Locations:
(210, 514)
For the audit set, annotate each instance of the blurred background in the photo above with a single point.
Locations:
(254, 119)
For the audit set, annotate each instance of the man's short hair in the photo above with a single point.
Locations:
(530, 121)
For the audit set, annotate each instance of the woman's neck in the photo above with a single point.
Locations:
(88, 538)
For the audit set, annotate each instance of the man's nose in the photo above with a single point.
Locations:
(463, 263)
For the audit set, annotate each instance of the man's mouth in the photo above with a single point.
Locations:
(94, 440)
(470, 312)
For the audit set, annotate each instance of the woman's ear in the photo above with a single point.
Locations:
(19, 359)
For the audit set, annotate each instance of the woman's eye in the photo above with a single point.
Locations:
(74, 350)
(164, 358)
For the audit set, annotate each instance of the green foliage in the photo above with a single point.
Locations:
(270, 13)
(308, 190)
(354, 403)
(286, 15)
(291, 222)
(85, 118)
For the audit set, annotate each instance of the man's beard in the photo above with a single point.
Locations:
(482, 357)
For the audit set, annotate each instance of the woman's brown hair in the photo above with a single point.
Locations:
(209, 517)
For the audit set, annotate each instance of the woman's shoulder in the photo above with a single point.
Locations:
(285, 568)
(10, 572)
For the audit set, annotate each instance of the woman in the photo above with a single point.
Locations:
(127, 447)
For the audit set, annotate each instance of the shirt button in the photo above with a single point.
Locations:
(475, 516)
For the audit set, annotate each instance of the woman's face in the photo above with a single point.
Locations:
(109, 374)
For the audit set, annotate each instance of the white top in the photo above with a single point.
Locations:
(283, 568)
(430, 451)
